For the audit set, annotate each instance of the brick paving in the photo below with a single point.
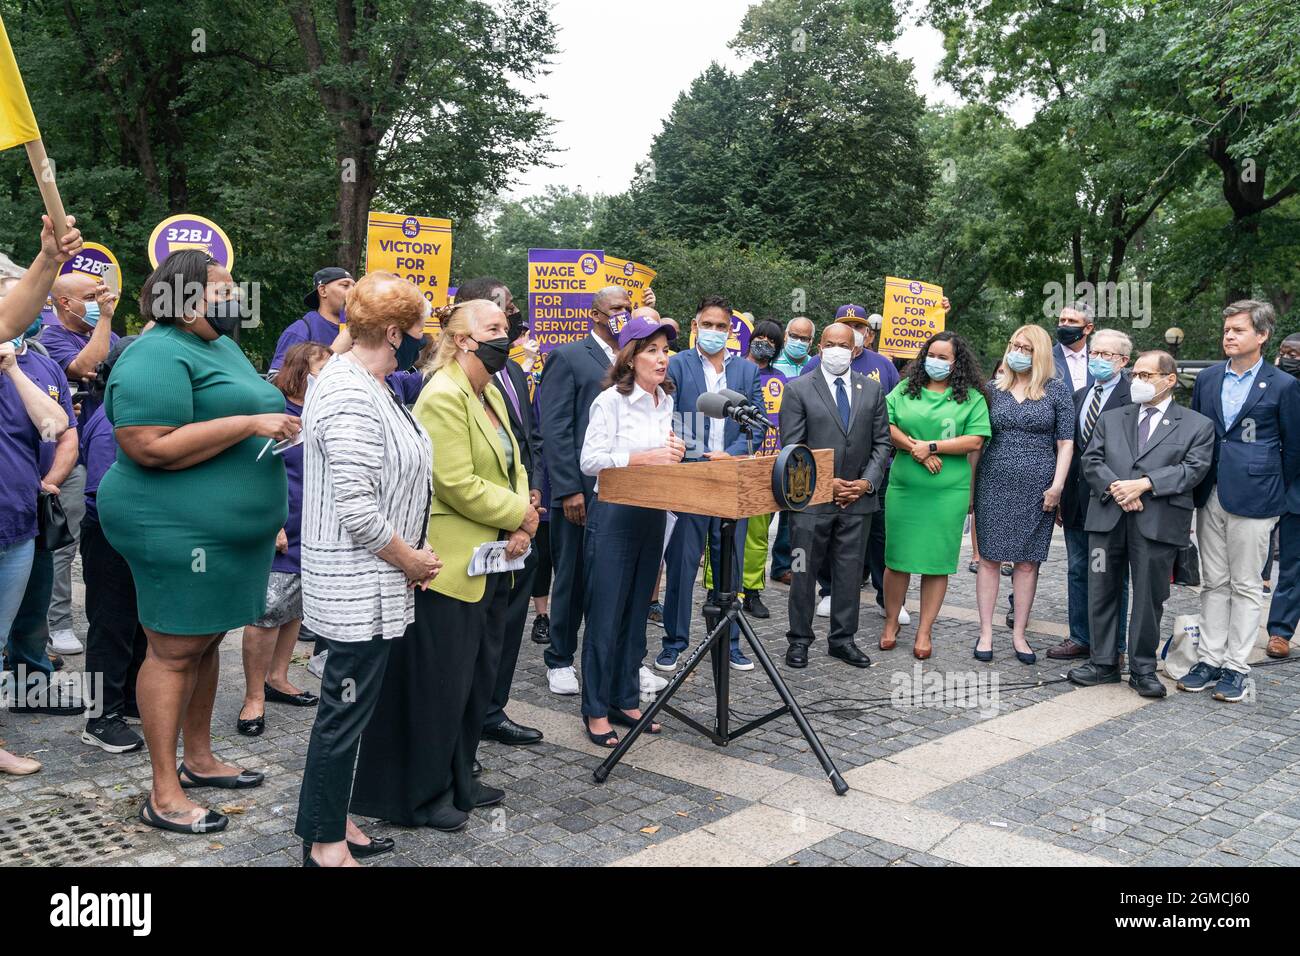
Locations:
(1182, 781)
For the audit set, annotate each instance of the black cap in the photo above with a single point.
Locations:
(323, 277)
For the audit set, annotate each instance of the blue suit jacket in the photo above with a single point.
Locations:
(572, 377)
(1257, 461)
(686, 369)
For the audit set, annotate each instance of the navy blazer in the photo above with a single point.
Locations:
(572, 377)
(686, 369)
(1257, 460)
(1074, 499)
(1062, 371)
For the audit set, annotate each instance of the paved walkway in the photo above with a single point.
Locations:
(950, 763)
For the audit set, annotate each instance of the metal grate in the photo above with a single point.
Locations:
(65, 834)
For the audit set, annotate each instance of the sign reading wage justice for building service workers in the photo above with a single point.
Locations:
(417, 248)
(561, 284)
(913, 312)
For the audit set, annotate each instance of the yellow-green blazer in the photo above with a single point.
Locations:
(473, 497)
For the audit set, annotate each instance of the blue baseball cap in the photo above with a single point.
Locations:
(642, 327)
(851, 315)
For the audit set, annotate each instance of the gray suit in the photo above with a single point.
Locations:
(810, 416)
(1176, 458)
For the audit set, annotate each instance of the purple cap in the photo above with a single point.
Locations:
(851, 314)
(641, 327)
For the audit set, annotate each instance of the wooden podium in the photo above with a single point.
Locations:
(730, 489)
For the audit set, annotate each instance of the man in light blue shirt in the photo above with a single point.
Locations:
(1235, 390)
(794, 358)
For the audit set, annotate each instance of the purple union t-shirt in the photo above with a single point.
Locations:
(64, 346)
(24, 458)
(314, 327)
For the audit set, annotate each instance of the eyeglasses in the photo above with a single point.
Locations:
(1150, 376)
(799, 338)
(1022, 349)
(1106, 356)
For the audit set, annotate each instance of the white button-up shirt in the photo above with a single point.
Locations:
(715, 382)
(605, 347)
(619, 425)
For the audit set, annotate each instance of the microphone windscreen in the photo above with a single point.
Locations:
(734, 397)
(712, 404)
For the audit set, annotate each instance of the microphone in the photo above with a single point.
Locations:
(731, 404)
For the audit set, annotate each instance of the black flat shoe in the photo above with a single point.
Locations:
(617, 716)
(609, 741)
(488, 796)
(302, 699)
(252, 727)
(1147, 685)
(307, 861)
(983, 656)
(796, 656)
(212, 822)
(850, 653)
(375, 847)
(755, 607)
(542, 629)
(246, 780)
(1090, 674)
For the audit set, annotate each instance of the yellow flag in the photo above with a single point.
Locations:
(17, 124)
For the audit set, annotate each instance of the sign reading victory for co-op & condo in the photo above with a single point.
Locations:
(561, 284)
(416, 248)
(913, 312)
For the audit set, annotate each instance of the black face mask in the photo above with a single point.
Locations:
(1068, 334)
(494, 354)
(223, 316)
(408, 350)
(763, 350)
(516, 326)
(1289, 365)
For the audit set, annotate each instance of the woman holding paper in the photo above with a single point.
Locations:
(416, 768)
(630, 424)
(365, 493)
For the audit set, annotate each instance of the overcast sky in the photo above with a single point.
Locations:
(667, 43)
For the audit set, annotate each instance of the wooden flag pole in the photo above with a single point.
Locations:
(49, 188)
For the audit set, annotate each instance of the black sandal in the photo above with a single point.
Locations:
(212, 822)
(252, 727)
(303, 698)
(608, 741)
(617, 716)
(246, 780)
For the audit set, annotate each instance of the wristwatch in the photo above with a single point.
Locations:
(934, 448)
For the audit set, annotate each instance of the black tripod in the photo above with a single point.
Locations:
(720, 614)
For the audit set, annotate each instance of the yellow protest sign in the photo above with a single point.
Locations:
(415, 247)
(632, 276)
(913, 312)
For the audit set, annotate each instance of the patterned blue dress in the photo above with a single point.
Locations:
(1017, 466)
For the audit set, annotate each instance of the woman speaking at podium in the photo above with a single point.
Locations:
(630, 424)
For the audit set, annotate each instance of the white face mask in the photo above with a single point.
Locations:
(858, 338)
(1141, 392)
(836, 359)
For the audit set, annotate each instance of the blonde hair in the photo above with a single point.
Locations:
(455, 320)
(1040, 371)
(379, 300)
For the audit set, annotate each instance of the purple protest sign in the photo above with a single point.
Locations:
(188, 231)
(94, 260)
(561, 284)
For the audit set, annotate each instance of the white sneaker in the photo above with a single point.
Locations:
(316, 665)
(563, 680)
(65, 642)
(651, 683)
(824, 607)
(903, 616)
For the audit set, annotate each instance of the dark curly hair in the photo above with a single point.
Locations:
(965, 377)
(622, 374)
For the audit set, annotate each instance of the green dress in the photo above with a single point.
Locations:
(199, 540)
(925, 513)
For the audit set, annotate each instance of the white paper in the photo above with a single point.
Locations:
(490, 558)
(281, 447)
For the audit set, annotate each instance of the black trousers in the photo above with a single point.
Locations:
(1151, 565)
(624, 548)
(520, 596)
(835, 543)
(419, 752)
(542, 548)
(568, 597)
(349, 691)
(115, 641)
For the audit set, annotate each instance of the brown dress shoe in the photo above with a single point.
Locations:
(1067, 650)
(1278, 647)
(785, 577)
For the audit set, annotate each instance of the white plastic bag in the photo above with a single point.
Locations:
(1180, 652)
